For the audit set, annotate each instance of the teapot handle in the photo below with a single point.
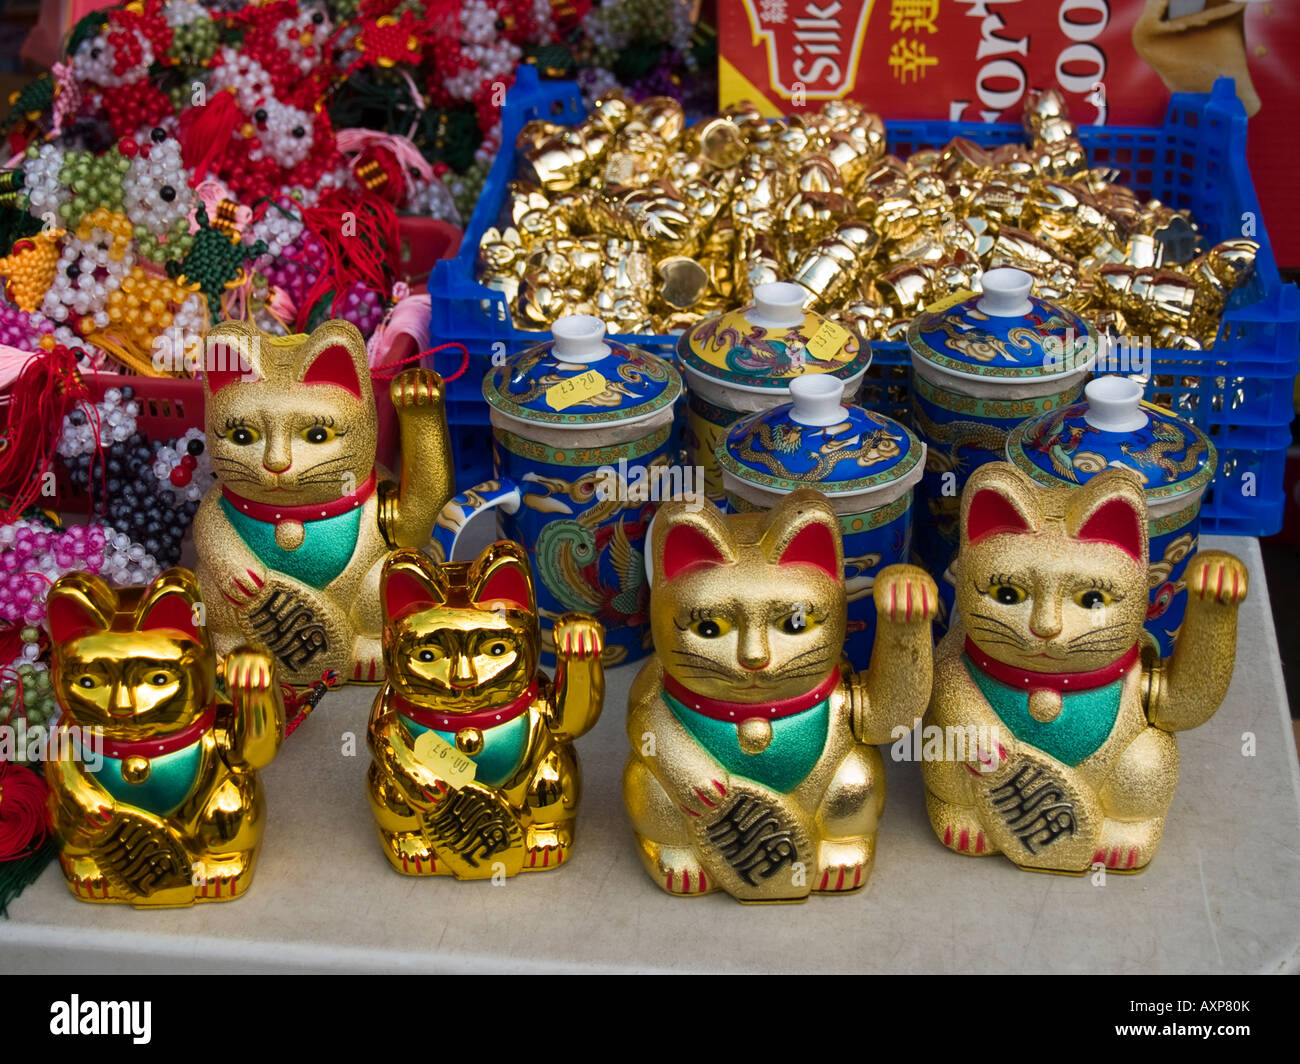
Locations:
(461, 509)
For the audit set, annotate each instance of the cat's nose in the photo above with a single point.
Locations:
(273, 468)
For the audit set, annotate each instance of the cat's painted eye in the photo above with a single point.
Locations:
(711, 627)
(798, 622)
(1007, 594)
(426, 655)
(160, 679)
(1093, 599)
(243, 436)
(497, 649)
(85, 681)
(318, 434)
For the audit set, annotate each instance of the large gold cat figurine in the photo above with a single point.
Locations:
(159, 803)
(292, 537)
(1073, 763)
(474, 772)
(752, 769)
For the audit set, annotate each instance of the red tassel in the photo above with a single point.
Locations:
(205, 133)
(22, 811)
(361, 245)
(47, 388)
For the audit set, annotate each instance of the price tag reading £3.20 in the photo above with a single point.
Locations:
(575, 390)
(433, 752)
(828, 341)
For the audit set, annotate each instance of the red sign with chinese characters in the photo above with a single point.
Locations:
(1115, 61)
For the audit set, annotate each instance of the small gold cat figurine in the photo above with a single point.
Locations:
(752, 769)
(1076, 763)
(292, 537)
(162, 806)
(474, 772)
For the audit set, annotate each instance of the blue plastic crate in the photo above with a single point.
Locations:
(1240, 392)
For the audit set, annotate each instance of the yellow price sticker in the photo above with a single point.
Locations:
(575, 390)
(940, 305)
(434, 753)
(828, 341)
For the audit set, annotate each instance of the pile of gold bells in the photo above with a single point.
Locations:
(650, 224)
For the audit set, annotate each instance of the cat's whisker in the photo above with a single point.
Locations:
(818, 651)
(1012, 638)
(1093, 632)
(1001, 624)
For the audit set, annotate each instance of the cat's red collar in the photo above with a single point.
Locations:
(161, 744)
(738, 712)
(1060, 682)
(271, 513)
(482, 719)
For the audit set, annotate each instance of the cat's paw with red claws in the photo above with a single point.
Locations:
(249, 671)
(579, 637)
(904, 593)
(416, 387)
(1214, 576)
(988, 759)
(244, 586)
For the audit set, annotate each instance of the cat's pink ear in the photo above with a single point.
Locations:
(683, 538)
(168, 603)
(1115, 522)
(334, 365)
(503, 576)
(227, 357)
(991, 512)
(407, 586)
(1112, 509)
(998, 498)
(685, 548)
(813, 545)
(803, 531)
(173, 612)
(77, 604)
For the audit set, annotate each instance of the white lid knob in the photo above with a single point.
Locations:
(778, 305)
(818, 400)
(579, 338)
(1114, 404)
(1006, 293)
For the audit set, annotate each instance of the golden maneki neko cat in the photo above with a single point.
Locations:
(154, 797)
(1075, 765)
(292, 537)
(753, 769)
(474, 773)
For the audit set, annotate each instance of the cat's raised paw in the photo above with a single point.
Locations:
(905, 593)
(578, 637)
(416, 387)
(248, 671)
(1217, 577)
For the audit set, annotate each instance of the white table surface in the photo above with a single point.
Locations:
(1223, 894)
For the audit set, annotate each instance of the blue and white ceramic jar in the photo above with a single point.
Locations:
(581, 430)
(866, 464)
(1175, 460)
(982, 364)
(743, 361)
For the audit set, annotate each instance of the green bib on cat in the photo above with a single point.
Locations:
(797, 743)
(327, 546)
(1085, 722)
(504, 746)
(170, 781)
